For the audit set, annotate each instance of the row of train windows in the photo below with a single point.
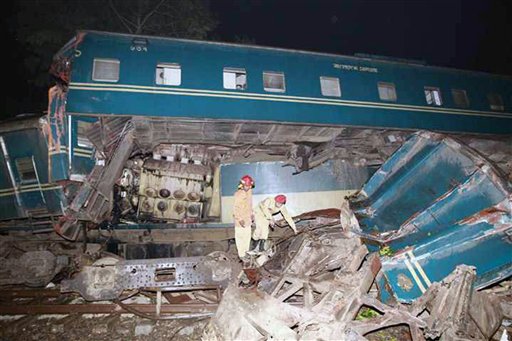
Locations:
(107, 70)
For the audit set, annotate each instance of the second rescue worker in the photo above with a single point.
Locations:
(263, 215)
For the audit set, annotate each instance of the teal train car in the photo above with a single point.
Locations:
(157, 130)
(149, 133)
(114, 74)
(217, 93)
(26, 192)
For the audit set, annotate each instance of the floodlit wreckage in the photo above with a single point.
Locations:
(322, 290)
(126, 188)
(325, 284)
(321, 282)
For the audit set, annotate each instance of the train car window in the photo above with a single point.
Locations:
(235, 79)
(496, 102)
(433, 96)
(274, 81)
(387, 91)
(460, 98)
(81, 137)
(168, 74)
(26, 169)
(330, 86)
(105, 70)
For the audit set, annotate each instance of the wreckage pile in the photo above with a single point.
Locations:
(323, 283)
(318, 286)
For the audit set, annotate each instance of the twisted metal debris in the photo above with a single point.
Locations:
(316, 284)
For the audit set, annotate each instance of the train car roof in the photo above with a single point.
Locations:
(357, 57)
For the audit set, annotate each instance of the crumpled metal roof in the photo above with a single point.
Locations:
(435, 204)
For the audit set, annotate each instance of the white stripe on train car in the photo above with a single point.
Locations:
(414, 275)
(419, 268)
(30, 188)
(82, 152)
(280, 98)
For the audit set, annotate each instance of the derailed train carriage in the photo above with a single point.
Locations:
(148, 137)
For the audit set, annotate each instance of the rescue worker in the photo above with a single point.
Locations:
(263, 215)
(242, 215)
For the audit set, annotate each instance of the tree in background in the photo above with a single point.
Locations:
(182, 19)
(39, 28)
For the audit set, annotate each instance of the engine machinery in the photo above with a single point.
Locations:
(174, 184)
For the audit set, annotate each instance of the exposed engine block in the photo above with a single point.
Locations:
(173, 184)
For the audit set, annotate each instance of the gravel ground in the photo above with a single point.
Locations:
(97, 327)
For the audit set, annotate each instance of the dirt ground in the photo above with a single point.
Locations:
(101, 327)
(98, 327)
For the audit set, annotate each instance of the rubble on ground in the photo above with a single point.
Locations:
(316, 285)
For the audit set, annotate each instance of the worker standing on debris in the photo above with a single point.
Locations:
(242, 215)
(263, 215)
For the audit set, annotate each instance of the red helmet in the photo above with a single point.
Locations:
(247, 180)
(280, 199)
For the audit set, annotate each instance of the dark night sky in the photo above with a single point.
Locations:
(470, 34)
(466, 34)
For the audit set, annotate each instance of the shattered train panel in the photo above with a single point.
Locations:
(433, 205)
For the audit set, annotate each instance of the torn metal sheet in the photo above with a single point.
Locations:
(252, 315)
(433, 205)
(456, 311)
(94, 200)
(317, 284)
(312, 288)
(303, 146)
(55, 131)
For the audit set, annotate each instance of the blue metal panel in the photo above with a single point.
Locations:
(453, 207)
(273, 177)
(82, 157)
(28, 143)
(8, 207)
(479, 245)
(436, 204)
(114, 100)
(34, 197)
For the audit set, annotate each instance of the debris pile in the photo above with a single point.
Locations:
(319, 286)
(388, 265)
